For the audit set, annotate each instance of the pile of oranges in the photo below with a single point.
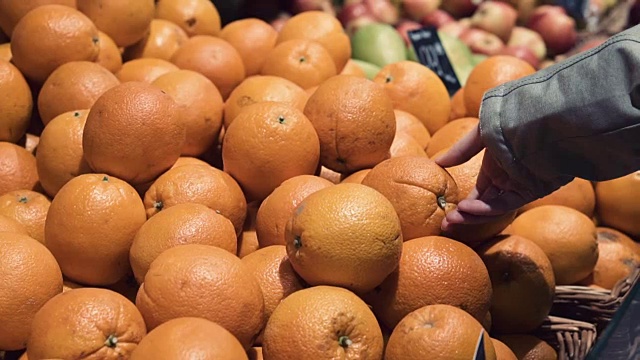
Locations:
(171, 189)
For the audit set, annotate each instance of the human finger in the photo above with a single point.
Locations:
(501, 203)
(463, 150)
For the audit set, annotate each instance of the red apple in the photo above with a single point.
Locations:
(417, 9)
(383, 10)
(545, 64)
(594, 42)
(454, 28)
(313, 5)
(521, 36)
(496, 17)
(353, 11)
(521, 52)
(482, 42)
(558, 30)
(437, 18)
(405, 26)
(460, 8)
(525, 8)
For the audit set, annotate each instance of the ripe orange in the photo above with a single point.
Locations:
(214, 58)
(405, 145)
(522, 278)
(200, 108)
(17, 103)
(528, 347)
(356, 177)
(49, 36)
(305, 62)
(259, 88)
(162, 40)
(181, 224)
(502, 351)
(421, 192)
(183, 280)
(323, 28)
(450, 134)
(458, 109)
(465, 174)
(104, 213)
(30, 277)
(351, 68)
(427, 264)
(344, 235)
(86, 321)
(153, 140)
(355, 123)
(491, 72)
(5, 52)
(248, 239)
(277, 279)
(189, 336)
(578, 194)
(279, 206)
(8, 224)
(12, 11)
(198, 184)
(322, 322)
(567, 236)
(19, 171)
(615, 205)
(27, 207)
(60, 157)
(253, 38)
(255, 353)
(144, 69)
(126, 22)
(416, 89)
(73, 86)
(195, 17)
(411, 125)
(109, 56)
(268, 143)
(187, 160)
(428, 333)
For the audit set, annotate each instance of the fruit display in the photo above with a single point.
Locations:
(177, 184)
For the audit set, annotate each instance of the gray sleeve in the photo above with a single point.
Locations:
(578, 118)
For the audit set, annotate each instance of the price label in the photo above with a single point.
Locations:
(432, 54)
(480, 355)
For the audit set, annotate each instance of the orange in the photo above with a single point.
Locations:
(528, 347)
(615, 204)
(421, 192)
(405, 145)
(412, 126)
(160, 42)
(109, 57)
(322, 322)
(126, 22)
(5, 52)
(465, 174)
(19, 171)
(86, 321)
(355, 123)
(17, 103)
(259, 88)
(27, 207)
(268, 143)
(75, 85)
(189, 336)
(578, 194)
(567, 236)
(199, 184)
(344, 235)
(248, 239)
(178, 225)
(458, 109)
(144, 69)
(451, 133)
(214, 58)
(187, 160)
(618, 257)
(12, 11)
(427, 264)
(428, 333)
(490, 73)
(59, 157)
(30, 277)
(253, 38)
(416, 89)
(183, 280)
(103, 213)
(311, 90)
(255, 353)
(502, 351)
(49, 36)
(277, 279)
(351, 68)
(356, 177)
(195, 17)
(279, 207)
(153, 139)
(200, 108)
(9, 224)
(522, 278)
(305, 62)
(323, 28)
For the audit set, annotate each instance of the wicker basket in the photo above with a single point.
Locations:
(572, 339)
(590, 305)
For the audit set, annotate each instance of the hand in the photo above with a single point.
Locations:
(495, 192)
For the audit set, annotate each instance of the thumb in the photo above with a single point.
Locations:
(463, 150)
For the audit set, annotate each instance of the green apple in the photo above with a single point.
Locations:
(459, 55)
(369, 69)
(378, 44)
